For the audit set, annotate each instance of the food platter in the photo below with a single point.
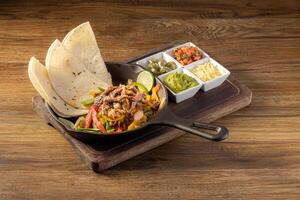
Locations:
(164, 117)
(189, 93)
(95, 101)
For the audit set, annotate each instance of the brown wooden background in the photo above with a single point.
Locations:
(259, 42)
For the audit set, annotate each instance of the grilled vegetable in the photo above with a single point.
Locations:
(80, 122)
(158, 67)
(87, 102)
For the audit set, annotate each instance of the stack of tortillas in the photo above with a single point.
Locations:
(74, 67)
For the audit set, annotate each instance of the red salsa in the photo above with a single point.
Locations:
(186, 55)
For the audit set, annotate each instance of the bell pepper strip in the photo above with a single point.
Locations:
(155, 92)
(136, 124)
(88, 119)
(96, 120)
(80, 122)
(148, 98)
(87, 102)
(105, 122)
(96, 92)
(132, 126)
(143, 120)
(118, 129)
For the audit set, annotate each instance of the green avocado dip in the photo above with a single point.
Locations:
(179, 82)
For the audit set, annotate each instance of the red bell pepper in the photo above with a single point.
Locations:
(98, 124)
(118, 129)
(88, 119)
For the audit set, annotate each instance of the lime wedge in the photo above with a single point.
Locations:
(141, 87)
(146, 79)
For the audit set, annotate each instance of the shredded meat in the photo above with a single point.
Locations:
(118, 101)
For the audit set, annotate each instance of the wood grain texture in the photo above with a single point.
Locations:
(258, 41)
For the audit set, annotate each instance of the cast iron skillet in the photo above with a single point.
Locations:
(121, 72)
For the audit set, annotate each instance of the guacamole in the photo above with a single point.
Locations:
(179, 82)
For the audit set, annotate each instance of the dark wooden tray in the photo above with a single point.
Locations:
(205, 107)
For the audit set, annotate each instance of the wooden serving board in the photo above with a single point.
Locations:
(205, 107)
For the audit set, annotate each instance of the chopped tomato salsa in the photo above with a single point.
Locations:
(186, 55)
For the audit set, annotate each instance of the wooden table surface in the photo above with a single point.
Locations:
(259, 42)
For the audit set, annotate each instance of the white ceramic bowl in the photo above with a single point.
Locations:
(205, 58)
(157, 56)
(208, 85)
(186, 94)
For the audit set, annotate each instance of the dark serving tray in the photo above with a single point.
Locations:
(204, 106)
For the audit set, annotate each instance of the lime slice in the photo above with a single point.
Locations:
(146, 79)
(141, 87)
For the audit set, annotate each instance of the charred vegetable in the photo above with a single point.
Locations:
(158, 67)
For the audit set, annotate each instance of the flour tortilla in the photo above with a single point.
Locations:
(69, 77)
(38, 76)
(54, 45)
(81, 42)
